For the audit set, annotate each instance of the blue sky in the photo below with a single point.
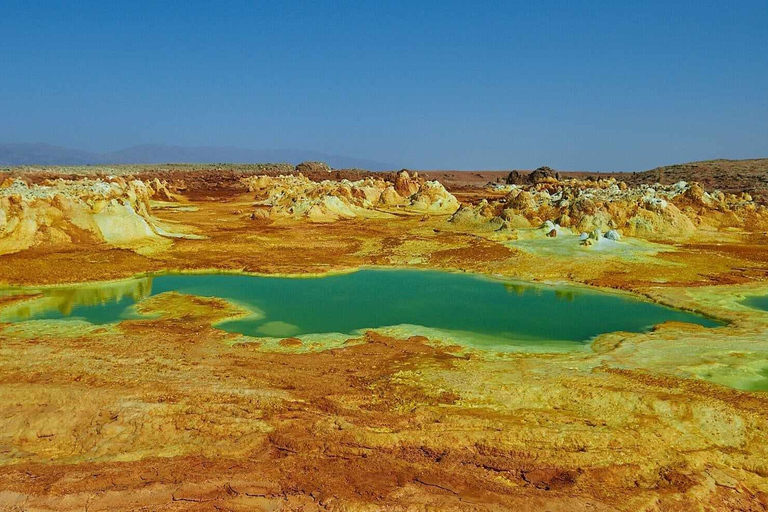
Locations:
(456, 85)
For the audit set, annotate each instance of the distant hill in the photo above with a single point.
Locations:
(709, 167)
(707, 171)
(731, 176)
(42, 154)
(46, 154)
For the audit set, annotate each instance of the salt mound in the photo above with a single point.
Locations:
(433, 198)
(115, 212)
(480, 217)
(298, 197)
(676, 211)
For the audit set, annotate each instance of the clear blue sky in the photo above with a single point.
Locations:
(453, 84)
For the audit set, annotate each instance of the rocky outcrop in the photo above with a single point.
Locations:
(160, 192)
(115, 212)
(312, 167)
(405, 184)
(540, 175)
(543, 174)
(517, 178)
(480, 217)
(676, 211)
(431, 197)
(298, 197)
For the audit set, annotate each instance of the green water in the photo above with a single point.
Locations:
(757, 302)
(371, 299)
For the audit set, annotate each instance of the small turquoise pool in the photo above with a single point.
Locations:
(370, 299)
(757, 302)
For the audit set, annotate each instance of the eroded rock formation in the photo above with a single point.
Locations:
(115, 212)
(298, 197)
(676, 211)
(540, 175)
(310, 167)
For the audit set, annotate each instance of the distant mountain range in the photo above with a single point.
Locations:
(46, 154)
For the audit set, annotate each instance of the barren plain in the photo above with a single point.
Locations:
(168, 412)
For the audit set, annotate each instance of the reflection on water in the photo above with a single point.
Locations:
(67, 300)
(517, 288)
(458, 303)
(522, 289)
(565, 295)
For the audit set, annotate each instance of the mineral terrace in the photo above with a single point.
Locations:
(168, 412)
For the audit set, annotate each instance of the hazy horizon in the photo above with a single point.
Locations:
(282, 155)
(603, 87)
(132, 155)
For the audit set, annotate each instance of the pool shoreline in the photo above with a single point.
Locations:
(540, 312)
